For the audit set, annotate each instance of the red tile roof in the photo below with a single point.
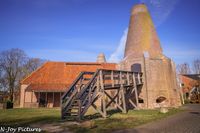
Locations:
(58, 76)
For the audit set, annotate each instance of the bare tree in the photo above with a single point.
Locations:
(15, 65)
(2, 80)
(196, 66)
(183, 68)
(31, 65)
(12, 62)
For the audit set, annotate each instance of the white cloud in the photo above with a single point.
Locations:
(117, 55)
(160, 9)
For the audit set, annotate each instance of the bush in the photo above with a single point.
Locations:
(186, 101)
(9, 104)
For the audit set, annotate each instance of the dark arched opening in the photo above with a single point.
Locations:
(160, 99)
(136, 67)
(140, 100)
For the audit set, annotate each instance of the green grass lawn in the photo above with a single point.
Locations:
(116, 120)
(22, 117)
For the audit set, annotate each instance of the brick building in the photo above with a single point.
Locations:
(45, 86)
(143, 53)
(190, 84)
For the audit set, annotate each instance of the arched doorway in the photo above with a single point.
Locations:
(161, 101)
(136, 67)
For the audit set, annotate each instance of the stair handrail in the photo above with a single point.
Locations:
(88, 84)
(81, 93)
(75, 82)
(72, 85)
(66, 103)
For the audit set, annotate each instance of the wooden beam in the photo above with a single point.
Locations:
(139, 80)
(53, 99)
(39, 97)
(132, 103)
(97, 109)
(112, 79)
(122, 93)
(104, 104)
(79, 110)
(46, 99)
(123, 100)
(128, 78)
(135, 88)
(113, 100)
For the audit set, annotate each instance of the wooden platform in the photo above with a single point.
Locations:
(110, 87)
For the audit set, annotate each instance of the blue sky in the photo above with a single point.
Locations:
(78, 30)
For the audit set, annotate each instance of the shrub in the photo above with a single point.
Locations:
(9, 104)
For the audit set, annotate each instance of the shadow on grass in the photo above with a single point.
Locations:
(119, 121)
(98, 115)
(27, 122)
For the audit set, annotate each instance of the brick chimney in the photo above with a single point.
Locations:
(142, 37)
(101, 58)
(143, 53)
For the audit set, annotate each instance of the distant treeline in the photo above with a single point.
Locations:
(185, 68)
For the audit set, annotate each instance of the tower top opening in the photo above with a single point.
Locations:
(139, 8)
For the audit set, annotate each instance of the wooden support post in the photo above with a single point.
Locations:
(138, 75)
(98, 110)
(123, 100)
(39, 98)
(90, 94)
(104, 105)
(46, 100)
(79, 110)
(98, 84)
(135, 89)
(128, 78)
(112, 78)
(53, 99)
(122, 94)
(113, 100)
(103, 102)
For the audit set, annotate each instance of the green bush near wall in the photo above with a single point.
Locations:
(6, 105)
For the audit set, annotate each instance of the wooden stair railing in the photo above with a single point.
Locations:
(77, 100)
(88, 94)
(69, 103)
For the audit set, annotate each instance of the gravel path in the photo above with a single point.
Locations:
(185, 122)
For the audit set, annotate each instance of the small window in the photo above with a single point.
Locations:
(136, 67)
(182, 84)
(140, 100)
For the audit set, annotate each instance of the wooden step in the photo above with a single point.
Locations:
(71, 114)
(86, 79)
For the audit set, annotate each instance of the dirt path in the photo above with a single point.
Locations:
(55, 127)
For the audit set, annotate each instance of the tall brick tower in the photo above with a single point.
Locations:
(143, 53)
(142, 36)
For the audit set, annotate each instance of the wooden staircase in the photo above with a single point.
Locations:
(90, 87)
(70, 102)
